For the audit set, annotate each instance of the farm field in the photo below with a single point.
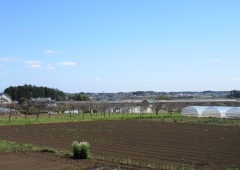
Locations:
(129, 144)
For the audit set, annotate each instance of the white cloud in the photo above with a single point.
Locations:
(67, 63)
(216, 60)
(98, 78)
(33, 63)
(50, 52)
(35, 66)
(9, 59)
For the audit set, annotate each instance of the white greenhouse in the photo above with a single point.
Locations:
(211, 111)
(233, 113)
(195, 111)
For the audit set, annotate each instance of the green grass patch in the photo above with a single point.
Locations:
(6, 147)
(48, 149)
(164, 117)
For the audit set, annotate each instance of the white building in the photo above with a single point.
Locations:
(5, 99)
(46, 101)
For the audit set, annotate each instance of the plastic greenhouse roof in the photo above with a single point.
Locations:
(220, 109)
(199, 109)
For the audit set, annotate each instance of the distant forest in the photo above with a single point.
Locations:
(234, 94)
(30, 91)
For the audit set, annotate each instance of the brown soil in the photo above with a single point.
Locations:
(137, 143)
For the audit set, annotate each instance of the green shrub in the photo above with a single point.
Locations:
(49, 150)
(68, 154)
(6, 146)
(81, 150)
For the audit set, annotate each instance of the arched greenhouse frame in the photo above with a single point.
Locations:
(194, 111)
(233, 113)
(212, 111)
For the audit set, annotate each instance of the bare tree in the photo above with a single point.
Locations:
(16, 108)
(103, 106)
(132, 107)
(85, 108)
(25, 108)
(90, 107)
(10, 107)
(62, 107)
(156, 107)
(37, 109)
(126, 109)
(180, 106)
(71, 108)
(51, 109)
(117, 109)
(109, 109)
(143, 108)
(170, 107)
(79, 107)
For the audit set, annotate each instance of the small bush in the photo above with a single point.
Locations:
(49, 150)
(68, 154)
(81, 150)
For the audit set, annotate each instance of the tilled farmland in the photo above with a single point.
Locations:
(133, 144)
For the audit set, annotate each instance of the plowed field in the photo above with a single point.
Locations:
(138, 144)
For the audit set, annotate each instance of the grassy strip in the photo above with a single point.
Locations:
(164, 117)
(7, 147)
(198, 120)
(31, 119)
(143, 164)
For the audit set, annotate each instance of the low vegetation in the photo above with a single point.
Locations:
(165, 117)
(6, 147)
(81, 150)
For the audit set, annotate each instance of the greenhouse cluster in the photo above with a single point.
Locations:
(212, 111)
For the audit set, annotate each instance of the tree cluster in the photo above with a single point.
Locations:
(234, 94)
(78, 97)
(30, 91)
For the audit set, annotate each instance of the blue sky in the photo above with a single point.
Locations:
(120, 45)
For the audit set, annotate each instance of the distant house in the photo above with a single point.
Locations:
(45, 101)
(5, 99)
(148, 101)
(4, 110)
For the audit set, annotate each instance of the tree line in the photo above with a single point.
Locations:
(30, 91)
(78, 97)
(234, 94)
(26, 92)
(90, 107)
